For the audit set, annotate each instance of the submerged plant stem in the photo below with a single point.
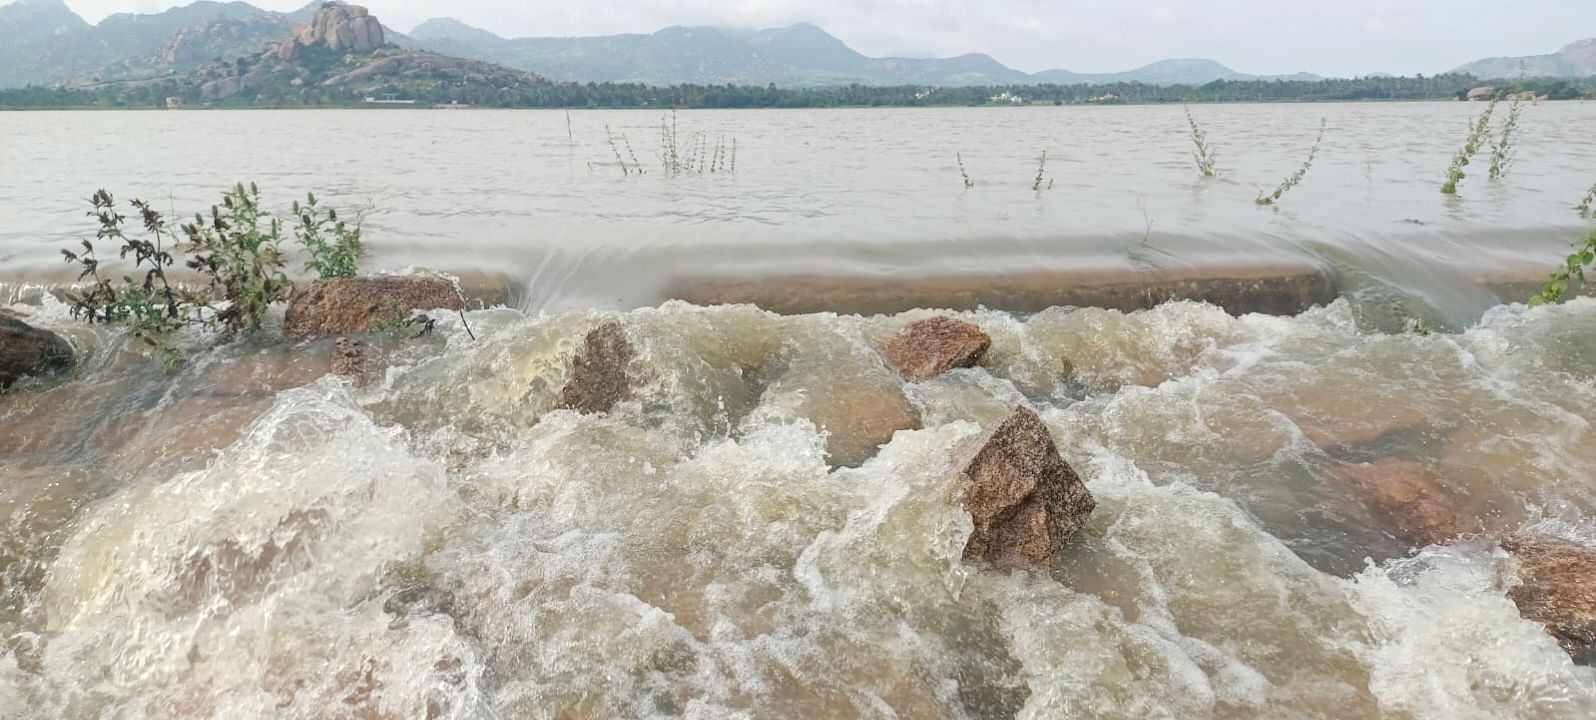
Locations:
(1296, 177)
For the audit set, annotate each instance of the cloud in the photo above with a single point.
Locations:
(1345, 37)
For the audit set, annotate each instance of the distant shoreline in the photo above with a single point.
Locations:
(655, 108)
(532, 92)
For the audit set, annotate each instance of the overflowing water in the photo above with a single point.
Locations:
(541, 196)
(248, 536)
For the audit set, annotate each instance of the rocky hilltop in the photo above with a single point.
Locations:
(345, 47)
(339, 28)
(221, 37)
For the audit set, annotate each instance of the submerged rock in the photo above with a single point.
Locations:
(27, 350)
(1406, 498)
(1025, 500)
(352, 359)
(858, 415)
(350, 306)
(1557, 586)
(928, 348)
(600, 373)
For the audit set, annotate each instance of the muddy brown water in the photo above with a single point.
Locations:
(246, 536)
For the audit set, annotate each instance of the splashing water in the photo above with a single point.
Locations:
(246, 538)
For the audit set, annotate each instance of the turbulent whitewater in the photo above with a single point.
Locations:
(250, 537)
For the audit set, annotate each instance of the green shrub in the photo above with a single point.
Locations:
(237, 248)
(334, 247)
(152, 309)
(1574, 266)
(243, 259)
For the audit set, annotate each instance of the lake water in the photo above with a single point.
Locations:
(541, 196)
(246, 536)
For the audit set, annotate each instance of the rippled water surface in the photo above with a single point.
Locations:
(540, 195)
(764, 530)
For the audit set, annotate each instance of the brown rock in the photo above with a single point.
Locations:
(928, 348)
(1406, 498)
(350, 306)
(349, 359)
(1025, 500)
(27, 350)
(600, 374)
(858, 415)
(1557, 586)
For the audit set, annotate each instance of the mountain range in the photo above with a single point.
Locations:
(793, 56)
(42, 42)
(1575, 60)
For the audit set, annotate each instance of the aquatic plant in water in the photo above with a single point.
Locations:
(625, 169)
(1296, 177)
(1202, 152)
(1502, 149)
(1479, 131)
(968, 183)
(695, 156)
(1573, 267)
(1584, 206)
(1041, 173)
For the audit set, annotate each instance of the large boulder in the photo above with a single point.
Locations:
(600, 372)
(27, 350)
(342, 28)
(928, 348)
(1557, 586)
(351, 306)
(1025, 500)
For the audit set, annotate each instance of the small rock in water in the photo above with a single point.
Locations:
(350, 306)
(859, 415)
(1025, 500)
(27, 350)
(599, 373)
(1557, 586)
(928, 348)
(349, 359)
(1406, 498)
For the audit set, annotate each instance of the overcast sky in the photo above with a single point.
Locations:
(1329, 37)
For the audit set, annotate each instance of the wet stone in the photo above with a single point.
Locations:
(1557, 586)
(600, 372)
(351, 359)
(27, 350)
(859, 415)
(1026, 501)
(928, 348)
(1405, 498)
(351, 306)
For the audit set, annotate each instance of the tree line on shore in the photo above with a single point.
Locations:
(156, 94)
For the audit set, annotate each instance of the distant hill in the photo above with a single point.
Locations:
(43, 42)
(796, 55)
(1573, 61)
(339, 55)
